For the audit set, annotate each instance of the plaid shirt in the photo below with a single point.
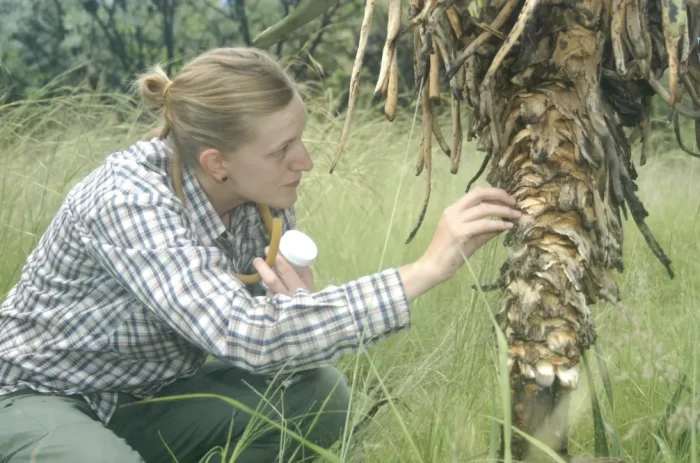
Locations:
(128, 291)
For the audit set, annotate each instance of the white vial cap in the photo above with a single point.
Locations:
(298, 248)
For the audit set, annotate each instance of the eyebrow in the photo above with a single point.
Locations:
(281, 145)
(290, 139)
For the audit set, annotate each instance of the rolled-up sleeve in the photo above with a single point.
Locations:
(149, 248)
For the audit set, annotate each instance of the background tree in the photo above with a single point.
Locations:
(105, 44)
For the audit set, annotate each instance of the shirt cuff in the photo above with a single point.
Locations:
(378, 305)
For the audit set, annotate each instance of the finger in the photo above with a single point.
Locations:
(305, 273)
(489, 210)
(483, 226)
(481, 240)
(289, 276)
(307, 276)
(514, 208)
(500, 204)
(273, 282)
(479, 195)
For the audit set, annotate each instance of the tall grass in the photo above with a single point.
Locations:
(443, 371)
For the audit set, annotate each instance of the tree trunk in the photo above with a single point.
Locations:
(552, 123)
(167, 10)
(242, 15)
(563, 249)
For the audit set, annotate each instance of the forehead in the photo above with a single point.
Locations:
(281, 125)
(294, 112)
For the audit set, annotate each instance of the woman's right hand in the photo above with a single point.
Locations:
(284, 278)
(463, 228)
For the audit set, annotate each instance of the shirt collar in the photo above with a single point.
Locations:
(198, 206)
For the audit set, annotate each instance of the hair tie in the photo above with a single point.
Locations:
(167, 86)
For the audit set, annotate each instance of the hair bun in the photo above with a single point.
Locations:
(153, 86)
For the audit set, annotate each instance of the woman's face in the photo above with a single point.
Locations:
(268, 169)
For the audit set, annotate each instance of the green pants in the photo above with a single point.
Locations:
(45, 428)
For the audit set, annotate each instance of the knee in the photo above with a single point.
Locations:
(326, 400)
(331, 390)
(85, 441)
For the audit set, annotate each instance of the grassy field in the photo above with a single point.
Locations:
(442, 371)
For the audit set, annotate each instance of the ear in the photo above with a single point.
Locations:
(212, 161)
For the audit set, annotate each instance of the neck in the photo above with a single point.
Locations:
(219, 194)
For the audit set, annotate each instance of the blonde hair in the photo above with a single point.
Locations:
(213, 100)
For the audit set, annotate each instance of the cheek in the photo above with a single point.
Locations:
(263, 175)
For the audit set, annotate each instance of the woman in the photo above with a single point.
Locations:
(136, 283)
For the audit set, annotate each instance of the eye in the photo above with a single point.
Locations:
(283, 150)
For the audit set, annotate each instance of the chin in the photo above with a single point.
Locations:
(282, 202)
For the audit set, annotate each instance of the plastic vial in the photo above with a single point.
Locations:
(298, 248)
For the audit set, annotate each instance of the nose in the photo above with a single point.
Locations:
(302, 160)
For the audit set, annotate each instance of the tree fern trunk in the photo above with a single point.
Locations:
(561, 253)
(554, 131)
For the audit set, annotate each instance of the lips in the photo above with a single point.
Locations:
(294, 183)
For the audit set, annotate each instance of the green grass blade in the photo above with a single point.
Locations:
(662, 430)
(666, 452)
(693, 434)
(536, 442)
(495, 433)
(601, 441)
(616, 450)
(391, 404)
(503, 374)
(320, 451)
(167, 447)
(211, 453)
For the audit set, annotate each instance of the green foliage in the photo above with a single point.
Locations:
(103, 45)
